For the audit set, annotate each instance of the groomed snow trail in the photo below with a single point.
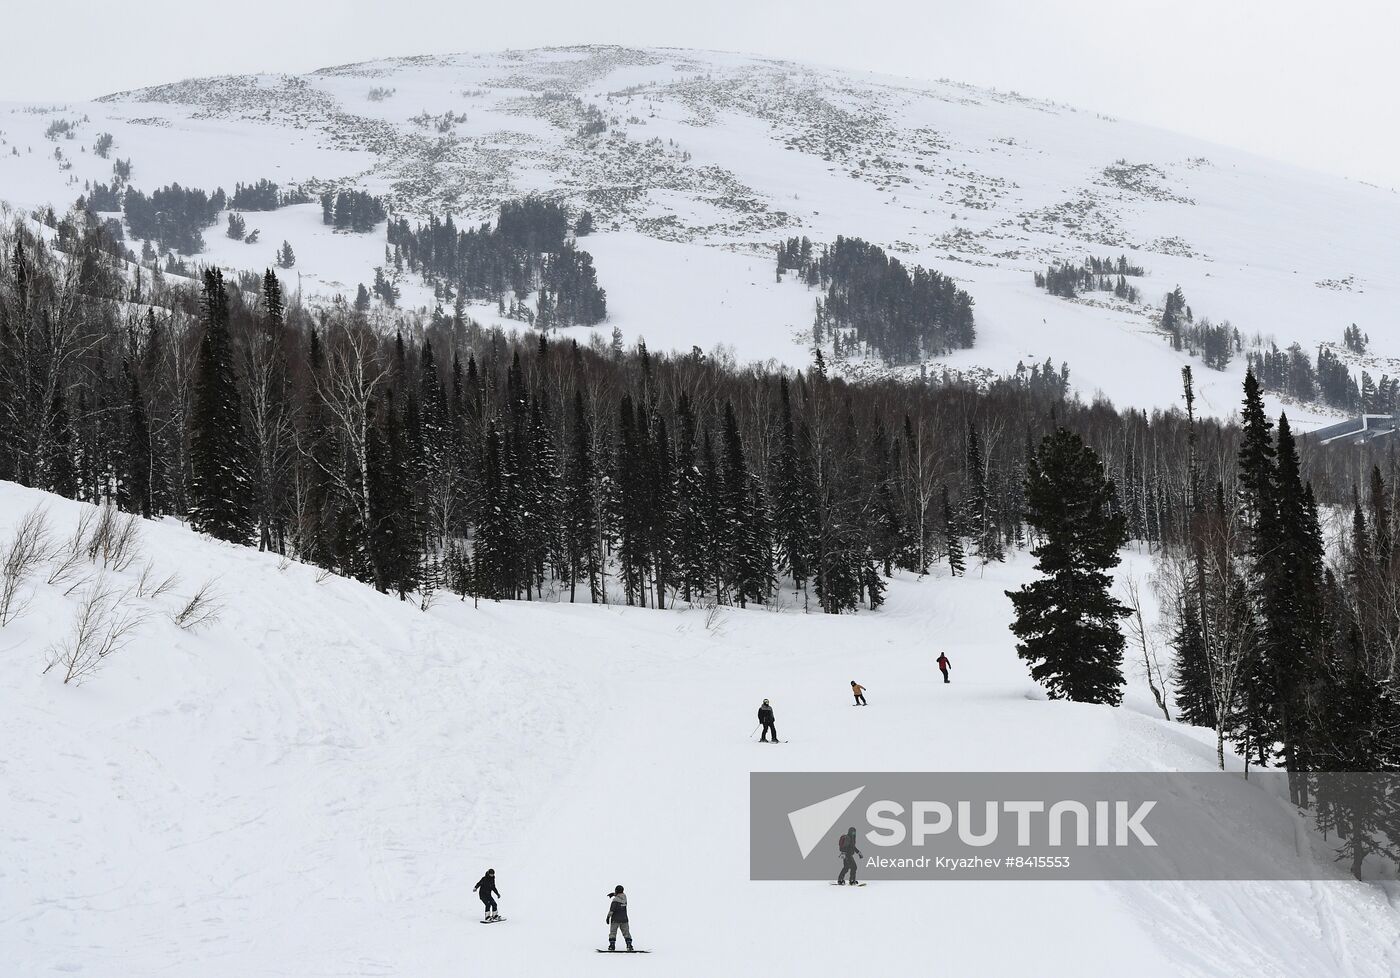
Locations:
(310, 787)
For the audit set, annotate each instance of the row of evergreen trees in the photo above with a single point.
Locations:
(352, 210)
(874, 303)
(1292, 657)
(1326, 379)
(834, 485)
(1067, 280)
(1288, 654)
(1215, 343)
(264, 195)
(173, 216)
(528, 251)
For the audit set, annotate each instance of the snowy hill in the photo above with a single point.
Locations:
(310, 784)
(695, 164)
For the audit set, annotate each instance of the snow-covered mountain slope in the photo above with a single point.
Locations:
(311, 784)
(695, 163)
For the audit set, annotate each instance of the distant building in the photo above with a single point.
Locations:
(1368, 427)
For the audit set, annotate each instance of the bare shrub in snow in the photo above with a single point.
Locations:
(70, 555)
(27, 549)
(203, 608)
(150, 585)
(714, 617)
(115, 539)
(104, 624)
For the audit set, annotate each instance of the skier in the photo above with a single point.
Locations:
(617, 919)
(859, 690)
(944, 665)
(484, 888)
(765, 717)
(847, 847)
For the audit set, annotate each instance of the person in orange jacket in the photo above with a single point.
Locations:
(859, 690)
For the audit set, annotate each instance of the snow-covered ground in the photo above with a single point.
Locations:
(311, 785)
(707, 159)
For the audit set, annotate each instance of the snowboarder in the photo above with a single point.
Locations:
(847, 847)
(617, 919)
(859, 690)
(765, 717)
(484, 888)
(944, 665)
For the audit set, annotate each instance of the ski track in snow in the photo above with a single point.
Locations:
(310, 787)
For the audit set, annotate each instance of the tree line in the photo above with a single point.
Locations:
(426, 453)
(1286, 647)
(1325, 378)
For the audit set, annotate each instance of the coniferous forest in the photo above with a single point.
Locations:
(529, 250)
(434, 456)
(873, 303)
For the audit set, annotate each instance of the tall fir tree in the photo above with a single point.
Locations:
(952, 532)
(1067, 621)
(1195, 704)
(220, 491)
(792, 497)
(1289, 582)
(134, 491)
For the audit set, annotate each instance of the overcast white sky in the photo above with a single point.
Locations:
(1314, 83)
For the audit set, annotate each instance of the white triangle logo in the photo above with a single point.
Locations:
(810, 824)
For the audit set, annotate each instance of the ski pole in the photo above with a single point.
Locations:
(754, 730)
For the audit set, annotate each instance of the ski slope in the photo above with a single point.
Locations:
(706, 159)
(311, 785)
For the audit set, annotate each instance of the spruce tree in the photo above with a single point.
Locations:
(495, 530)
(394, 531)
(692, 528)
(792, 502)
(581, 506)
(982, 523)
(1195, 704)
(952, 531)
(220, 492)
(1288, 578)
(134, 491)
(748, 566)
(1067, 621)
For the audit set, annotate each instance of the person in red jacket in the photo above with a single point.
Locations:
(944, 665)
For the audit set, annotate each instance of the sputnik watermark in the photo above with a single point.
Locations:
(1041, 825)
(1114, 823)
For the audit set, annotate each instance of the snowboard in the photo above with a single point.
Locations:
(603, 950)
(496, 921)
(847, 884)
(770, 741)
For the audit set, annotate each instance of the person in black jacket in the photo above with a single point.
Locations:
(846, 845)
(765, 717)
(484, 888)
(617, 919)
